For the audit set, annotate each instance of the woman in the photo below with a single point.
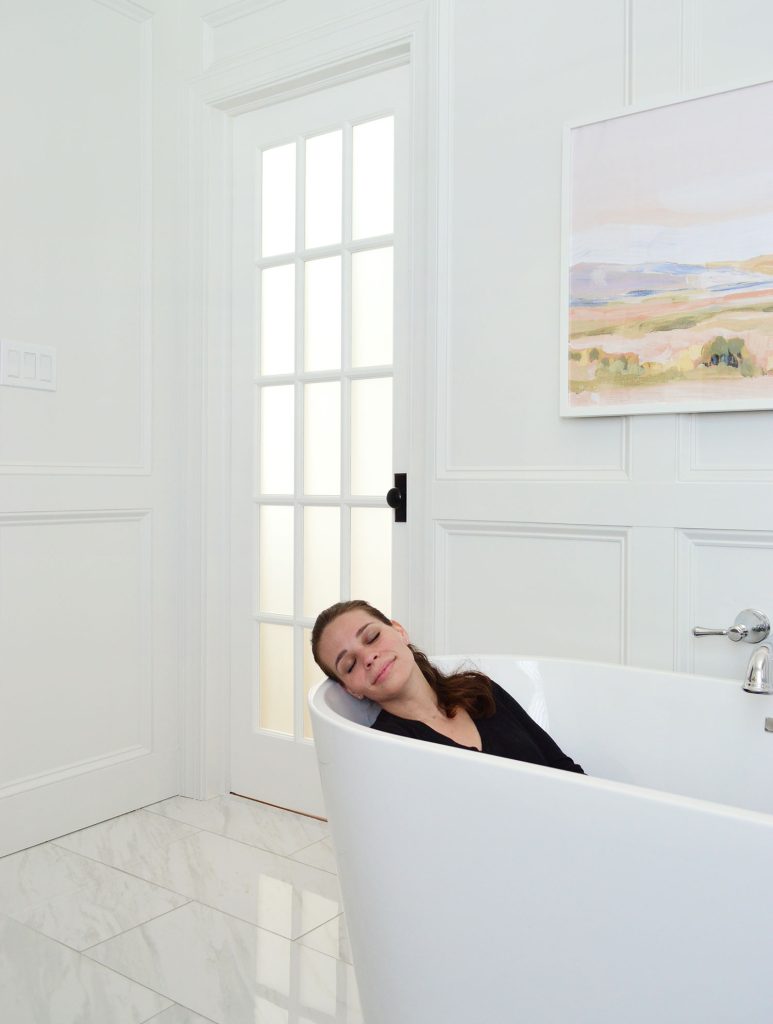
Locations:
(371, 657)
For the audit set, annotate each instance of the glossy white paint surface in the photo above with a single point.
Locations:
(482, 889)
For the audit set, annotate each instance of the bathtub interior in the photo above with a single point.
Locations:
(686, 735)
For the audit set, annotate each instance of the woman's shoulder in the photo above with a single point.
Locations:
(504, 699)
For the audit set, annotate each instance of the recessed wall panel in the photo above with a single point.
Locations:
(726, 446)
(733, 46)
(74, 635)
(499, 398)
(556, 591)
(743, 562)
(77, 156)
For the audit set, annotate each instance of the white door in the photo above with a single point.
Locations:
(319, 403)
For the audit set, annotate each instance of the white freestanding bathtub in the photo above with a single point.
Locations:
(479, 890)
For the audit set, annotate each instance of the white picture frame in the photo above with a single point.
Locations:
(667, 258)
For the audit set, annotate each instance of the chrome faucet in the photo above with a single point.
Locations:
(751, 627)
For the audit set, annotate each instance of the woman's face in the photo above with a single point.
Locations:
(371, 659)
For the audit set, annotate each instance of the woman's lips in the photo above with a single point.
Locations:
(383, 671)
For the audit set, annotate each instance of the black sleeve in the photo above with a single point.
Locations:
(553, 754)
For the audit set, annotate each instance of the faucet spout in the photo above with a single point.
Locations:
(758, 671)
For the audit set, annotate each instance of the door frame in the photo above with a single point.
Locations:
(342, 52)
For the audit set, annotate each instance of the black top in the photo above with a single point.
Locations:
(509, 732)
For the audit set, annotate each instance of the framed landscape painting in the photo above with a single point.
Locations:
(667, 292)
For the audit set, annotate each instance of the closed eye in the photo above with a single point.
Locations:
(369, 639)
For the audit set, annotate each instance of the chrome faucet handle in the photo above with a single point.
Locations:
(750, 626)
(705, 631)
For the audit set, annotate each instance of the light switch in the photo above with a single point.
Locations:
(13, 361)
(27, 366)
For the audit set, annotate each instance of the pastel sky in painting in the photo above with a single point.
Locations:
(691, 182)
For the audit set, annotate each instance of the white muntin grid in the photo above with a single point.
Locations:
(345, 376)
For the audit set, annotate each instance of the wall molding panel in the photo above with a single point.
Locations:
(18, 786)
(690, 46)
(695, 466)
(554, 610)
(447, 468)
(743, 560)
(139, 20)
(131, 561)
(629, 48)
(128, 8)
(217, 56)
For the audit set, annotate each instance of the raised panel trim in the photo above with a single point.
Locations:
(446, 470)
(71, 770)
(629, 64)
(687, 541)
(143, 517)
(237, 10)
(690, 76)
(445, 529)
(301, 39)
(128, 8)
(143, 18)
(691, 469)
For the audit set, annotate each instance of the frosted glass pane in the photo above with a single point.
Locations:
(372, 299)
(277, 428)
(276, 559)
(277, 320)
(278, 200)
(324, 184)
(276, 678)
(321, 559)
(373, 178)
(322, 333)
(372, 557)
(311, 676)
(322, 438)
(371, 436)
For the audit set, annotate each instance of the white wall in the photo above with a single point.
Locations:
(629, 531)
(605, 538)
(90, 474)
(600, 538)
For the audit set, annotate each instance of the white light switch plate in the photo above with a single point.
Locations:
(27, 366)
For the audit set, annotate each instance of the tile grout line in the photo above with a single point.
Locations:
(263, 849)
(194, 899)
(122, 870)
(149, 1020)
(96, 963)
(134, 927)
(217, 910)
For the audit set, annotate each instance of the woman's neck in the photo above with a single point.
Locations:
(417, 701)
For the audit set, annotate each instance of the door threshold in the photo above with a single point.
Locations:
(279, 807)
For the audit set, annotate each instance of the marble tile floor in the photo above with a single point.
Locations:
(184, 912)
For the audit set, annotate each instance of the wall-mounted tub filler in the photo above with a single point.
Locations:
(752, 627)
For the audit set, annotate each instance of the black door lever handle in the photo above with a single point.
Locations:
(397, 496)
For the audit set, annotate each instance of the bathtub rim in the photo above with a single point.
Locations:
(318, 705)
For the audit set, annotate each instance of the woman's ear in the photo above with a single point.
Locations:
(357, 696)
(403, 633)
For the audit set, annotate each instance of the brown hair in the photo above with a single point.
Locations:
(470, 690)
